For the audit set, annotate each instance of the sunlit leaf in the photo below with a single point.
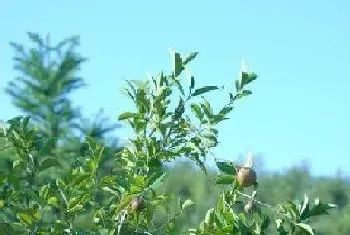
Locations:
(226, 167)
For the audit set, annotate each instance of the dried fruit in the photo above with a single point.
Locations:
(246, 176)
(138, 204)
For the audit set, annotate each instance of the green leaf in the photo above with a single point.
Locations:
(17, 163)
(176, 63)
(52, 201)
(265, 222)
(76, 208)
(241, 94)
(200, 163)
(108, 189)
(126, 115)
(217, 118)
(44, 191)
(248, 78)
(238, 85)
(76, 203)
(155, 177)
(307, 228)
(209, 217)
(127, 93)
(196, 109)
(226, 167)
(154, 163)
(24, 218)
(178, 84)
(124, 203)
(220, 207)
(304, 210)
(180, 109)
(226, 110)
(60, 184)
(206, 107)
(47, 163)
(26, 121)
(189, 58)
(203, 90)
(224, 179)
(192, 83)
(320, 208)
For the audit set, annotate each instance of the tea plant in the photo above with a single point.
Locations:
(171, 119)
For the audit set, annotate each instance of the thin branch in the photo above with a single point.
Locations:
(5, 147)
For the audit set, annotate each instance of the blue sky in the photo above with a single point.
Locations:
(300, 103)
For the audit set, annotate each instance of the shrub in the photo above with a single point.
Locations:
(170, 120)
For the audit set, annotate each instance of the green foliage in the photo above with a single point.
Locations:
(47, 77)
(170, 121)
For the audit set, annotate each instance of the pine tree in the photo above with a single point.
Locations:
(97, 127)
(48, 75)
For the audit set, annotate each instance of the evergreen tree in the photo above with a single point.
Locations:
(48, 75)
(97, 127)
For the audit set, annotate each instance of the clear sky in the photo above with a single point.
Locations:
(300, 49)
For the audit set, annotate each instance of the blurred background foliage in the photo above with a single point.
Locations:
(187, 181)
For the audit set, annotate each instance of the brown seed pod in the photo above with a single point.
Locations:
(246, 177)
(249, 207)
(138, 204)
